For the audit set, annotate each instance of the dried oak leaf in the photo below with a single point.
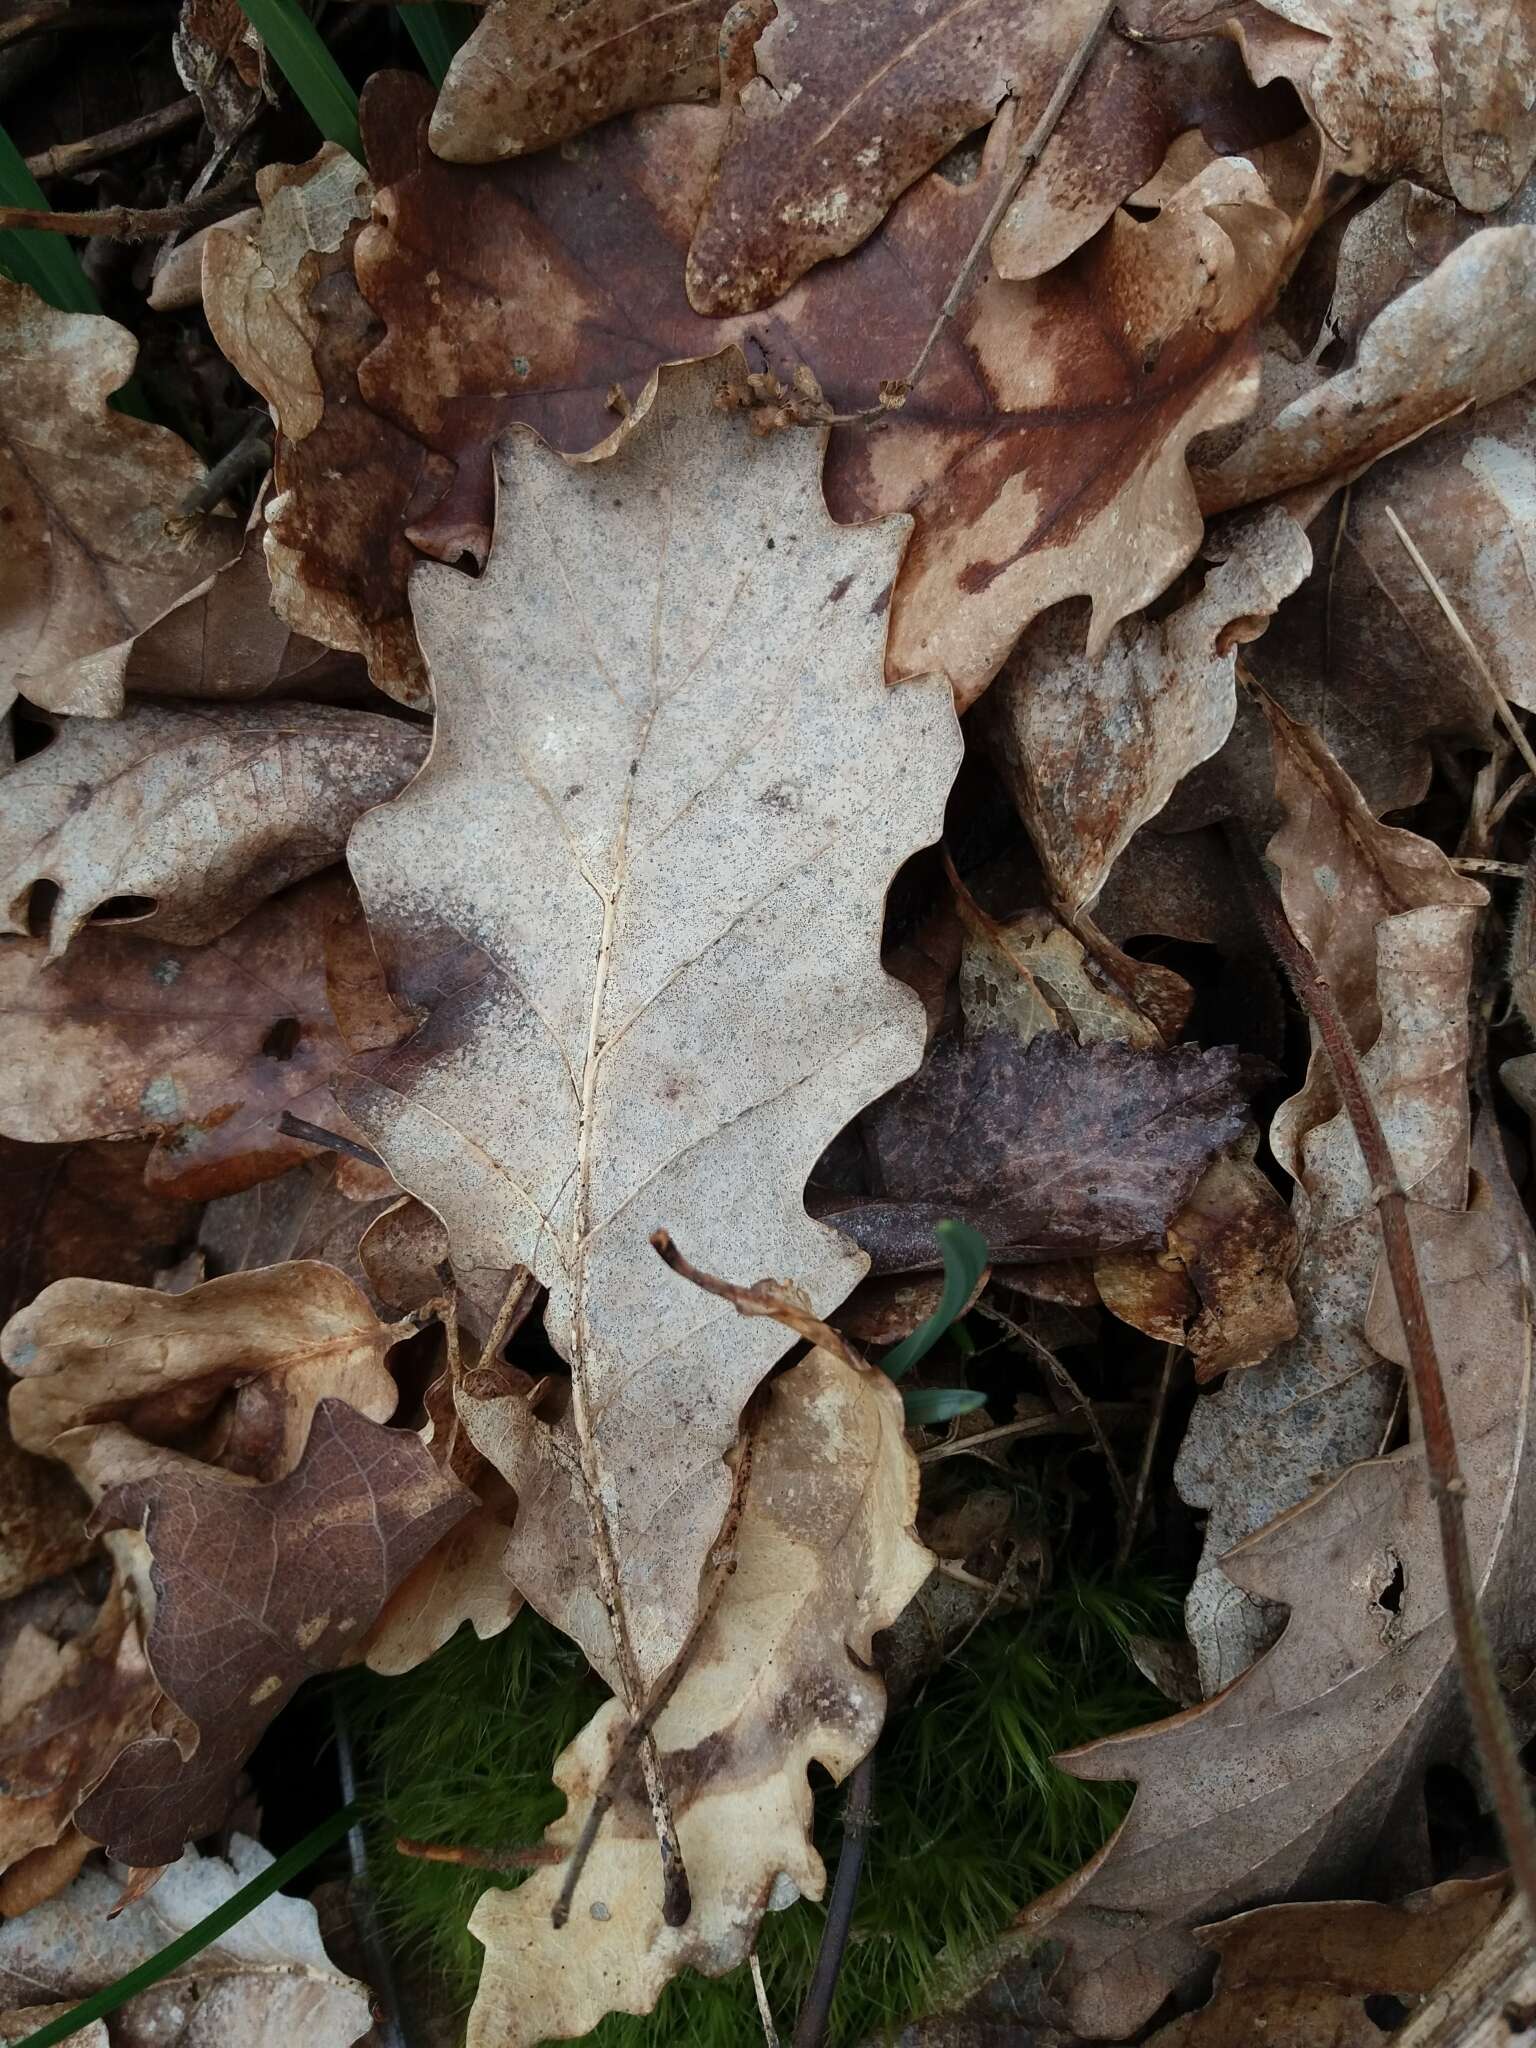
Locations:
(1293, 1771)
(86, 494)
(666, 797)
(218, 55)
(1391, 926)
(256, 1589)
(82, 1209)
(267, 1982)
(1049, 1149)
(1458, 338)
(284, 309)
(837, 106)
(1042, 456)
(780, 1677)
(1438, 90)
(227, 1373)
(1294, 1976)
(535, 72)
(75, 1690)
(1091, 748)
(204, 1047)
(200, 813)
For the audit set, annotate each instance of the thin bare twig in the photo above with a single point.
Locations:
(250, 456)
(764, 2009)
(132, 223)
(1053, 1424)
(535, 1856)
(1148, 1452)
(1497, 701)
(896, 392)
(638, 1736)
(1496, 1746)
(1043, 1355)
(858, 1817)
(388, 2026)
(506, 1316)
(66, 158)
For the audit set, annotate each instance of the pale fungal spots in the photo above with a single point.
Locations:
(308, 1633)
(265, 1690)
(160, 1099)
(600, 1911)
(166, 971)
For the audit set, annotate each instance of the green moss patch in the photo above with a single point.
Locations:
(972, 1818)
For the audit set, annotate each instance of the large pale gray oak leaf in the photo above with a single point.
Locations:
(667, 793)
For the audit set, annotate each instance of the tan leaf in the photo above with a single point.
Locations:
(636, 832)
(1294, 1976)
(85, 497)
(218, 56)
(204, 1047)
(256, 1589)
(265, 1983)
(535, 72)
(404, 1252)
(1091, 747)
(780, 1677)
(75, 1690)
(284, 309)
(1458, 338)
(1032, 975)
(200, 813)
(1391, 926)
(230, 1371)
(1291, 1773)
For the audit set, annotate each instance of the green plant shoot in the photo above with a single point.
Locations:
(295, 47)
(965, 1259)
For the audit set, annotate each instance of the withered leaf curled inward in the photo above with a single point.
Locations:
(667, 846)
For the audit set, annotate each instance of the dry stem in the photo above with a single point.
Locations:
(131, 223)
(1496, 1745)
(66, 158)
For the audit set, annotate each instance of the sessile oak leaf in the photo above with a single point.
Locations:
(780, 1677)
(667, 793)
(256, 1589)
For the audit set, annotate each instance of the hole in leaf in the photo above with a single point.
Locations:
(1385, 2011)
(282, 1041)
(40, 902)
(32, 731)
(1391, 1595)
(124, 910)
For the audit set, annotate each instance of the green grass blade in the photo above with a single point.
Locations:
(296, 49)
(207, 1931)
(965, 1255)
(925, 1405)
(437, 28)
(45, 262)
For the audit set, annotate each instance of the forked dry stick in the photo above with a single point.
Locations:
(1496, 1746)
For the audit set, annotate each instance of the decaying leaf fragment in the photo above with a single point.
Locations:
(825, 1555)
(202, 812)
(85, 497)
(265, 1983)
(535, 72)
(201, 1047)
(283, 307)
(1294, 1976)
(229, 1373)
(1092, 746)
(666, 796)
(256, 1589)
(1458, 338)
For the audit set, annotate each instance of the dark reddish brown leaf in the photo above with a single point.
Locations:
(82, 1209)
(203, 1047)
(536, 72)
(1052, 1149)
(258, 1588)
(1015, 478)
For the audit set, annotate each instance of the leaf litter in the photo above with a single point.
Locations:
(535, 818)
